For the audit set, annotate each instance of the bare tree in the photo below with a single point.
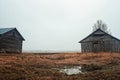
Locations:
(102, 26)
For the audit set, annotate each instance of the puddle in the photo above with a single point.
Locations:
(71, 70)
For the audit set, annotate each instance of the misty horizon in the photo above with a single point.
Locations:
(58, 25)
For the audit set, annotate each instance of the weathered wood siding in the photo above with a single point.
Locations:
(11, 42)
(100, 42)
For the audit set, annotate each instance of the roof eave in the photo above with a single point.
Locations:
(20, 35)
(80, 42)
(94, 32)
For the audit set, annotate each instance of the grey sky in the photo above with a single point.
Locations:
(58, 24)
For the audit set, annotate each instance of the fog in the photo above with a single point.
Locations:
(58, 25)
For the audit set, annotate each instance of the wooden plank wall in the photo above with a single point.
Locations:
(105, 46)
(11, 44)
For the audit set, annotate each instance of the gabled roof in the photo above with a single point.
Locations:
(95, 32)
(5, 30)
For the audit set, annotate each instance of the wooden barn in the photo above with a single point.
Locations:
(10, 40)
(100, 41)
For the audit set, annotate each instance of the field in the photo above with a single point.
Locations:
(45, 66)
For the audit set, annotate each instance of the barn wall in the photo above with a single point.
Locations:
(11, 43)
(86, 47)
(100, 41)
(115, 46)
(111, 45)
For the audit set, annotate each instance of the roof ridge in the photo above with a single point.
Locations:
(96, 31)
(4, 30)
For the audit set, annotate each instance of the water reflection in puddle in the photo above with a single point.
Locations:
(71, 70)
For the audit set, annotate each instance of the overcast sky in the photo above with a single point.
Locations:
(58, 24)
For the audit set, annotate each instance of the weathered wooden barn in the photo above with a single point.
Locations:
(100, 41)
(10, 40)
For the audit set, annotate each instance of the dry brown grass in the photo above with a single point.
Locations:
(29, 66)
